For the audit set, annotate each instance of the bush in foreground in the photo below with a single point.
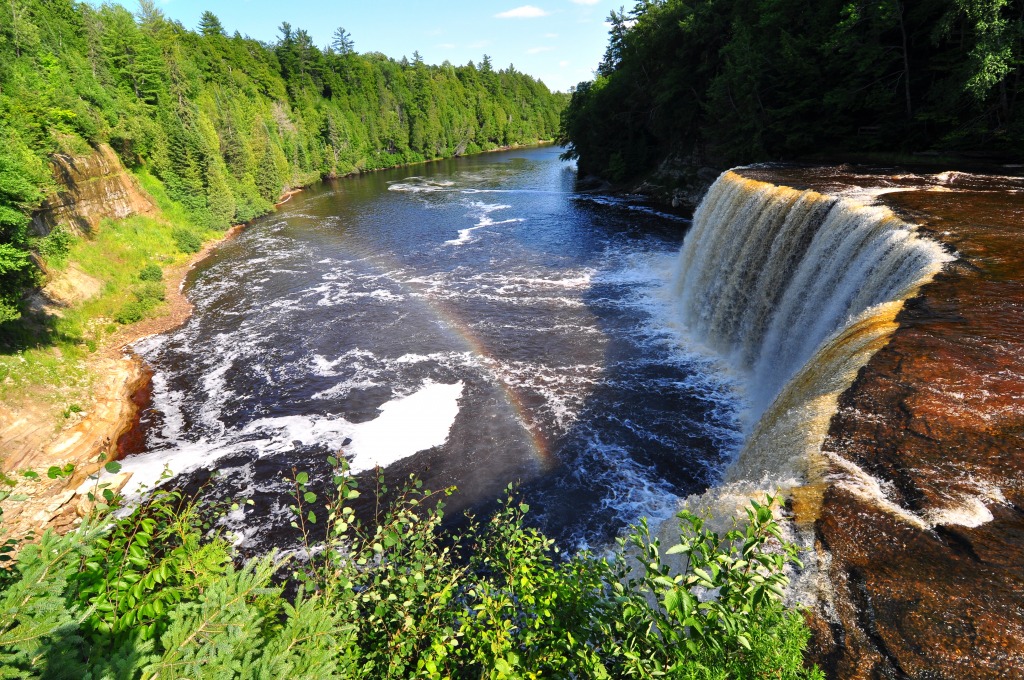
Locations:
(156, 594)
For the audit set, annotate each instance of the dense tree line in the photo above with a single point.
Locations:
(739, 81)
(227, 122)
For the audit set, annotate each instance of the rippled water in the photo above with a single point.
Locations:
(477, 322)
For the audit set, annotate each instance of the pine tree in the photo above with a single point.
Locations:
(209, 25)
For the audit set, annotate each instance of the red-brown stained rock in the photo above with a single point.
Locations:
(937, 416)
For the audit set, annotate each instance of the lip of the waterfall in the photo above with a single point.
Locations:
(794, 290)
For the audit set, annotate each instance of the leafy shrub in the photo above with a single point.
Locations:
(186, 240)
(132, 311)
(56, 245)
(155, 592)
(150, 292)
(151, 272)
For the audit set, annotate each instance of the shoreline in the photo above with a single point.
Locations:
(108, 430)
(112, 416)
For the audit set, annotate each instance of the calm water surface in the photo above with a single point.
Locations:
(477, 322)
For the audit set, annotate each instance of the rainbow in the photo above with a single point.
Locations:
(451, 320)
(541, 446)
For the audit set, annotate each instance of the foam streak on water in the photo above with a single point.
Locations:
(471, 340)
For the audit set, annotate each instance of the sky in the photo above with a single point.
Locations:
(557, 41)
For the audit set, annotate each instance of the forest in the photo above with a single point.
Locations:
(725, 81)
(225, 122)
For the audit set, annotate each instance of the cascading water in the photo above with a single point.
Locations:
(796, 290)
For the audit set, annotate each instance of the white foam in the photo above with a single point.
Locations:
(481, 210)
(405, 426)
(421, 185)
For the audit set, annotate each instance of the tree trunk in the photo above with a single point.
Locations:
(901, 10)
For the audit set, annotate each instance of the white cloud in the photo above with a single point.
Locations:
(586, 2)
(447, 46)
(550, 35)
(538, 50)
(563, 63)
(524, 12)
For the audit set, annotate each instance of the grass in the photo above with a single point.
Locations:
(47, 364)
(50, 376)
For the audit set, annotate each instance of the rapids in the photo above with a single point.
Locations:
(476, 322)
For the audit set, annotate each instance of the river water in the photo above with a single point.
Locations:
(476, 322)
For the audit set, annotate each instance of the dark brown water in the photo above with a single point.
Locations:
(477, 322)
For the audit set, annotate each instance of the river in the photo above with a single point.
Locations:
(476, 322)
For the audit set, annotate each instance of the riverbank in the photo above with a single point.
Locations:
(95, 426)
(91, 430)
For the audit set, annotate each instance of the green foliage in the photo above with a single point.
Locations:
(220, 125)
(151, 272)
(156, 591)
(150, 291)
(187, 240)
(18, 193)
(151, 560)
(56, 245)
(132, 311)
(146, 296)
(726, 81)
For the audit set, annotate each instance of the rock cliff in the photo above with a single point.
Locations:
(91, 187)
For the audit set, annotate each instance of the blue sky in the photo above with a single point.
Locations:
(558, 41)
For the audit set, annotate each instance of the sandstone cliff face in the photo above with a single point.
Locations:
(28, 443)
(92, 187)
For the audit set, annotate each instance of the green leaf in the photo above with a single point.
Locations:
(309, 497)
(302, 478)
(311, 517)
(673, 600)
(113, 467)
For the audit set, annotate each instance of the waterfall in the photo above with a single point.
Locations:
(796, 290)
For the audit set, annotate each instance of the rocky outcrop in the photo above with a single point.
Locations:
(29, 444)
(107, 430)
(919, 524)
(936, 417)
(91, 187)
(681, 181)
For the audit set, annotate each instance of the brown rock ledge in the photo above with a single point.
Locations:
(937, 417)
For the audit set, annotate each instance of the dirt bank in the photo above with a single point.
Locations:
(29, 441)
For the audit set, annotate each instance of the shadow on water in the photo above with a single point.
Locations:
(547, 308)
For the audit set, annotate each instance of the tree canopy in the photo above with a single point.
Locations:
(224, 121)
(737, 81)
